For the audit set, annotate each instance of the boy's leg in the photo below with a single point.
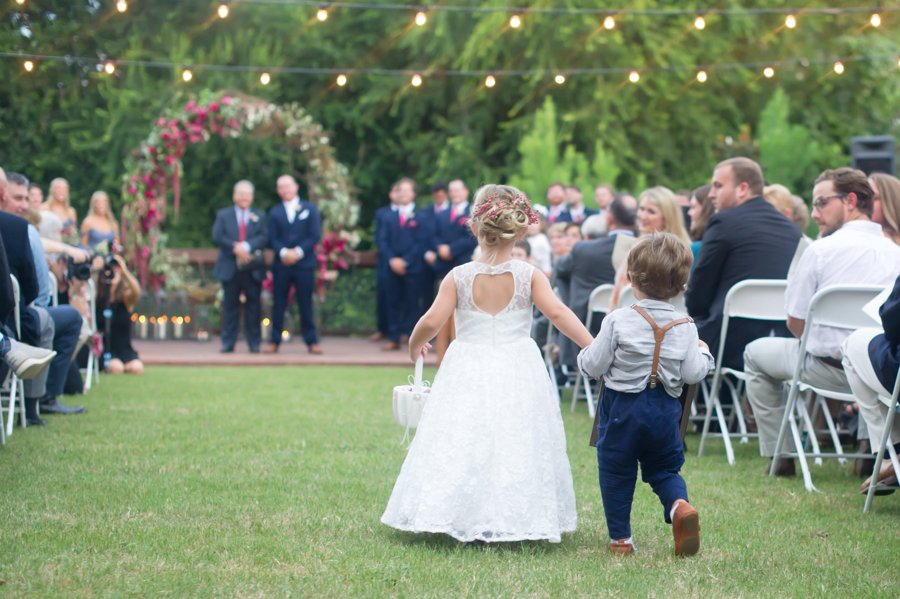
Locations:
(662, 452)
(617, 462)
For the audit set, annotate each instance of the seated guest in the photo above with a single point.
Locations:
(604, 194)
(573, 234)
(800, 215)
(575, 204)
(541, 252)
(522, 251)
(747, 238)
(886, 211)
(871, 359)
(119, 290)
(780, 197)
(557, 210)
(594, 226)
(99, 230)
(559, 242)
(851, 251)
(700, 211)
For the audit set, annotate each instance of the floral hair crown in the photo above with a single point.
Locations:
(491, 208)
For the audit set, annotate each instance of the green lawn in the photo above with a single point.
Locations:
(271, 481)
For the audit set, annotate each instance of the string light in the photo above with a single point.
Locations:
(768, 72)
(421, 18)
(790, 21)
(839, 67)
(875, 20)
(20, 2)
(560, 79)
(121, 6)
(109, 67)
(223, 10)
(701, 76)
(341, 80)
(28, 65)
(700, 23)
(609, 23)
(489, 81)
(187, 75)
(515, 21)
(416, 80)
(634, 76)
(265, 78)
(322, 15)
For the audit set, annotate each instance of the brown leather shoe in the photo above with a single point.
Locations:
(315, 349)
(686, 529)
(390, 346)
(885, 475)
(784, 467)
(621, 547)
(272, 348)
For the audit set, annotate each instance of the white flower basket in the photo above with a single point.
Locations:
(410, 399)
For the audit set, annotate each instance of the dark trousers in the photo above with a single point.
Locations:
(404, 297)
(382, 270)
(638, 428)
(302, 280)
(242, 281)
(428, 278)
(67, 326)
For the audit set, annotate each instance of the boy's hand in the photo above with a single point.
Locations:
(702, 344)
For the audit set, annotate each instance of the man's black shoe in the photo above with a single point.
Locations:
(227, 350)
(53, 406)
(254, 350)
(35, 421)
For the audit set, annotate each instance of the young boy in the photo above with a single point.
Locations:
(645, 354)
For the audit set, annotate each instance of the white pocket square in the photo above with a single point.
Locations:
(303, 215)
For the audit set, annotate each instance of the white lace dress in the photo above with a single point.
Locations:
(488, 461)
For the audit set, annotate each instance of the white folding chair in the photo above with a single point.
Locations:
(54, 290)
(837, 306)
(548, 353)
(598, 303)
(92, 372)
(893, 408)
(626, 298)
(755, 299)
(14, 388)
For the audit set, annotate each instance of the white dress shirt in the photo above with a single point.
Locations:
(292, 207)
(622, 353)
(856, 254)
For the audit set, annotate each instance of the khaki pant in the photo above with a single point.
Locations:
(871, 396)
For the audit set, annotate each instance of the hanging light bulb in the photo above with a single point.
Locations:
(28, 65)
(20, 2)
(421, 18)
(700, 23)
(768, 72)
(875, 20)
(634, 76)
(416, 80)
(223, 10)
(322, 14)
(609, 23)
(560, 79)
(839, 67)
(341, 80)
(109, 67)
(265, 78)
(187, 75)
(790, 21)
(489, 81)
(702, 76)
(515, 21)
(121, 6)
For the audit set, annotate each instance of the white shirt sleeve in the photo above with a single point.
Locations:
(698, 362)
(596, 358)
(802, 285)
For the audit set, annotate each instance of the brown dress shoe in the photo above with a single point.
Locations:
(686, 529)
(272, 348)
(885, 475)
(784, 467)
(621, 547)
(315, 349)
(376, 336)
(390, 346)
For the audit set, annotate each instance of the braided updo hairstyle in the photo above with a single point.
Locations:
(500, 213)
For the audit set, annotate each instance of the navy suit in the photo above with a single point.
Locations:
(14, 234)
(381, 274)
(563, 217)
(305, 232)
(455, 233)
(428, 217)
(587, 212)
(884, 349)
(226, 231)
(403, 240)
(750, 241)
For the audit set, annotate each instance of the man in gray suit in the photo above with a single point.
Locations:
(240, 234)
(589, 265)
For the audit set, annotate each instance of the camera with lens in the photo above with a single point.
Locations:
(75, 270)
(109, 265)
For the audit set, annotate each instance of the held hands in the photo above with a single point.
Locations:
(421, 351)
(444, 252)
(240, 254)
(398, 265)
(430, 257)
(290, 257)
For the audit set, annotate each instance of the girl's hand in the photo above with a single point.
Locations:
(422, 351)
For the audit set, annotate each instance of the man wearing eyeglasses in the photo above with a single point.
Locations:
(851, 251)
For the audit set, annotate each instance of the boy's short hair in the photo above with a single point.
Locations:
(524, 245)
(659, 265)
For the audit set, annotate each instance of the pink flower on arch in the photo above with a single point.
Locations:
(226, 100)
(214, 107)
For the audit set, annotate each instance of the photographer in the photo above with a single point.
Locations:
(118, 291)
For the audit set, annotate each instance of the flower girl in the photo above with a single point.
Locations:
(488, 462)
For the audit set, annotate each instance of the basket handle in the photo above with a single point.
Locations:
(417, 376)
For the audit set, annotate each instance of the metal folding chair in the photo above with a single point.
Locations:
(598, 303)
(755, 299)
(13, 388)
(837, 306)
(92, 372)
(893, 408)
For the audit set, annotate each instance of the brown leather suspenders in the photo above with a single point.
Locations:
(658, 334)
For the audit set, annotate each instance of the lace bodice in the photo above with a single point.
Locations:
(512, 323)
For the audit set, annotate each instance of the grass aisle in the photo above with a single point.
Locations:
(271, 481)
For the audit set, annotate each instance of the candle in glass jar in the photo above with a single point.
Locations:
(142, 326)
(178, 327)
(161, 327)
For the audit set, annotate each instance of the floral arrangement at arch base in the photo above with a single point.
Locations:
(155, 167)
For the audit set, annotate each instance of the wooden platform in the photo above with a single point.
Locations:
(343, 351)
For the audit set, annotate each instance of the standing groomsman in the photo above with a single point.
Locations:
(295, 228)
(240, 234)
(576, 205)
(453, 239)
(428, 217)
(400, 242)
(382, 270)
(557, 212)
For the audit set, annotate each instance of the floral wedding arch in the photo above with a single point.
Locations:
(155, 167)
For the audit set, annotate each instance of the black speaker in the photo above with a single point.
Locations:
(874, 154)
